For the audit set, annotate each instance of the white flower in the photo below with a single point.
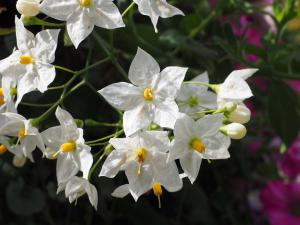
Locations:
(83, 15)
(28, 7)
(19, 161)
(78, 186)
(194, 141)
(68, 143)
(240, 115)
(157, 8)
(235, 88)
(143, 157)
(151, 96)
(195, 98)
(234, 130)
(30, 66)
(24, 136)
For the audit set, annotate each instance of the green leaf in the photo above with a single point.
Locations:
(284, 111)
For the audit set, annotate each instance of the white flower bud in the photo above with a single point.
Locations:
(234, 130)
(28, 7)
(230, 106)
(240, 115)
(19, 161)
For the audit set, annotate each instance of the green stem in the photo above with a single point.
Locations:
(118, 133)
(128, 9)
(36, 105)
(197, 83)
(56, 88)
(65, 69)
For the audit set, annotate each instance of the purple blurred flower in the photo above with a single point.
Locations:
(295, 84)
(281, 203)
(290, 164)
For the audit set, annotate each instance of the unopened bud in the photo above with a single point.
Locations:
(230, 106)
(234, 130)
(28, 7)
(240, 115)
(19, 161)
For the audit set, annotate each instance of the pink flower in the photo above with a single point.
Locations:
(295, 84)
(290, 164)
(281, 203)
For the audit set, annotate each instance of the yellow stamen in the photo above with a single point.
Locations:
(68, 147)
(197, 145)
(3, 149)
(148, 94)
(140, 155)
(25, 59)
(1, 97)
(85, 3)
(157, 190)
(22, 133)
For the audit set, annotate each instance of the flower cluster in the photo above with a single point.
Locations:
(165, 119)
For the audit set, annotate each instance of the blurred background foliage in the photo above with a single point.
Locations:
(214, 36)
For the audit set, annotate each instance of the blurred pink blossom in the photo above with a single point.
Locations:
(290, 164)
(295, 84)
(281, 203)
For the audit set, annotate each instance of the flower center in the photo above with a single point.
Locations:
(140, 155)
(22, 133)
(148, 94)
(25, 59)
(3, 149)
(192, 101)
(1, 97)
(68, 147)
(85, 3)
(197, 145)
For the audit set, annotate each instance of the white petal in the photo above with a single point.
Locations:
(66, 168)
(216, 147)
(146, 9)
(209, 124)
(138, 184)
(124, 96)
(178, 148)
(92, 194)
(25, 85)
(143, 69)
(112, 164)
(60, 10)
(165, 10)
(25, 39)
(242, 74)
(184, 128)
(137, 119)
(166, 113)
(46, 43)
(46, 73)
(79, 26)
(190, 164)
(53, 137)
(86, 161)
(106, 15)
(68, 125)
(170, 81)
(156, 140)
(121, 192)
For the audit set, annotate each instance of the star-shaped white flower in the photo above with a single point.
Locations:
(30, 66)
(77, 187)
(157, 8)
(235, 88)
(83, 15)
(143, 157)
(194, 141)
(23, 137)
(69, 146)
(196, 98)
(151, 97)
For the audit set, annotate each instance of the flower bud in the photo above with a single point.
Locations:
(230, 106)
(28, 7)
(240, 115)
(19, 161)
(234, 130)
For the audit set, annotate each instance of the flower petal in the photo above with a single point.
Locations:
(122, 95)
(190, 164)
(121, 192)
(166, 113)
(164, 9)
(112, 164)
(60, 10)
(143, 69)
(25, 39)
(66, 168)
